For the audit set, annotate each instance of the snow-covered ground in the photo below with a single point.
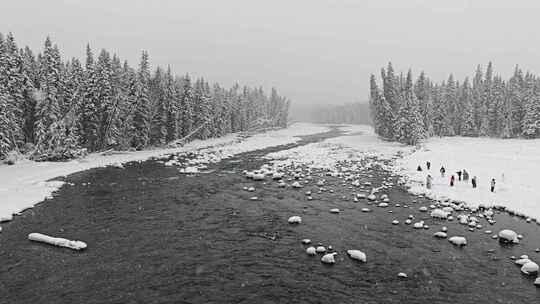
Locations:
(514, 163)
(26, 183)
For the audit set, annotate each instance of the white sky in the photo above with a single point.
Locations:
(314, 51)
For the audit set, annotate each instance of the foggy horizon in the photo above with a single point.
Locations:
(314, 52)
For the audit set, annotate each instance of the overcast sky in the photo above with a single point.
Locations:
(314, 51)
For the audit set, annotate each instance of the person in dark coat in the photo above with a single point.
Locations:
(465, 175)
(419, 168)
(428, 165)
(492, 185)
(452, 180)
(429, 181)
(459, 175)
(473, 181)
(442, 171)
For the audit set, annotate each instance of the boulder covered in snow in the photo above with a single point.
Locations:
(295, 219)
(277, 175)
(529, 268)
(328, 258)
(402, 275)
(537, 282)
(458, 240)
(311, 251)
(357, 255)
(320, 249)
(440, 234)
(439, 213)
(61, 242)
(508, 236)
(334, 210)
(258, 176)
(296, 185)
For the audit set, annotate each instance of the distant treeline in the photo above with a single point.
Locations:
(351, 113)
(409, 111)
(55, 109)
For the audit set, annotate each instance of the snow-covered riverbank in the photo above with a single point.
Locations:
(513, 163)
(26, 183)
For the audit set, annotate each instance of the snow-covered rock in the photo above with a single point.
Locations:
(295, 219)
(306, 241)
(357, 255)
(440, 234)
(277, 175)
(509, 236)
(258, 176)
(439, 213)
(402, 275)
(419, 225)
(328, 258)
(423, 209)
(320, 249)
(61, 242)
(383, 205)
(537, 282)
(458, 240)
(334, 210)
(311, 250)
(529, 268)
(296, 185)
(371, 197)
(395, 222)
(189, 170)
(522, 260)
(366, 210)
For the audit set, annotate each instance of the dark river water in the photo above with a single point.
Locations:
(155, 236)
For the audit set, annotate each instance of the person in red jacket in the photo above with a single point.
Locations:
(452, 180)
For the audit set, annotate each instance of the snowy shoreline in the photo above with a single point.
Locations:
(27, 183)
(517, 159)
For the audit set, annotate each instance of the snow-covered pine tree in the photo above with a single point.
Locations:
(141, 119)
(105, 101)
(467, 126)
(478, 98)
(158, 129)
(172, 103)
(495, 107)
(186, 107)
(423, 94)
(54, 140)
(127, 108)
(531, 99)
(89, 116)
(516, 88)
(409, 125)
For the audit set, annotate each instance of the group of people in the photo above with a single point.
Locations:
(463, 175)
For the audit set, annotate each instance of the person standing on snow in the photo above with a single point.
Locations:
(459, 175)
(429, 181)
(452, 180)
(465, 175)
(442, 171)
(473, 181)
(492, 185)
(428, 165)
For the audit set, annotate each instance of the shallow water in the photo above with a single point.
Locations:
(157, 237)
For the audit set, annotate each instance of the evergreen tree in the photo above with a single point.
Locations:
(141, 120)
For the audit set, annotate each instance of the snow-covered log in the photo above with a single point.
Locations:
(61, 242)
